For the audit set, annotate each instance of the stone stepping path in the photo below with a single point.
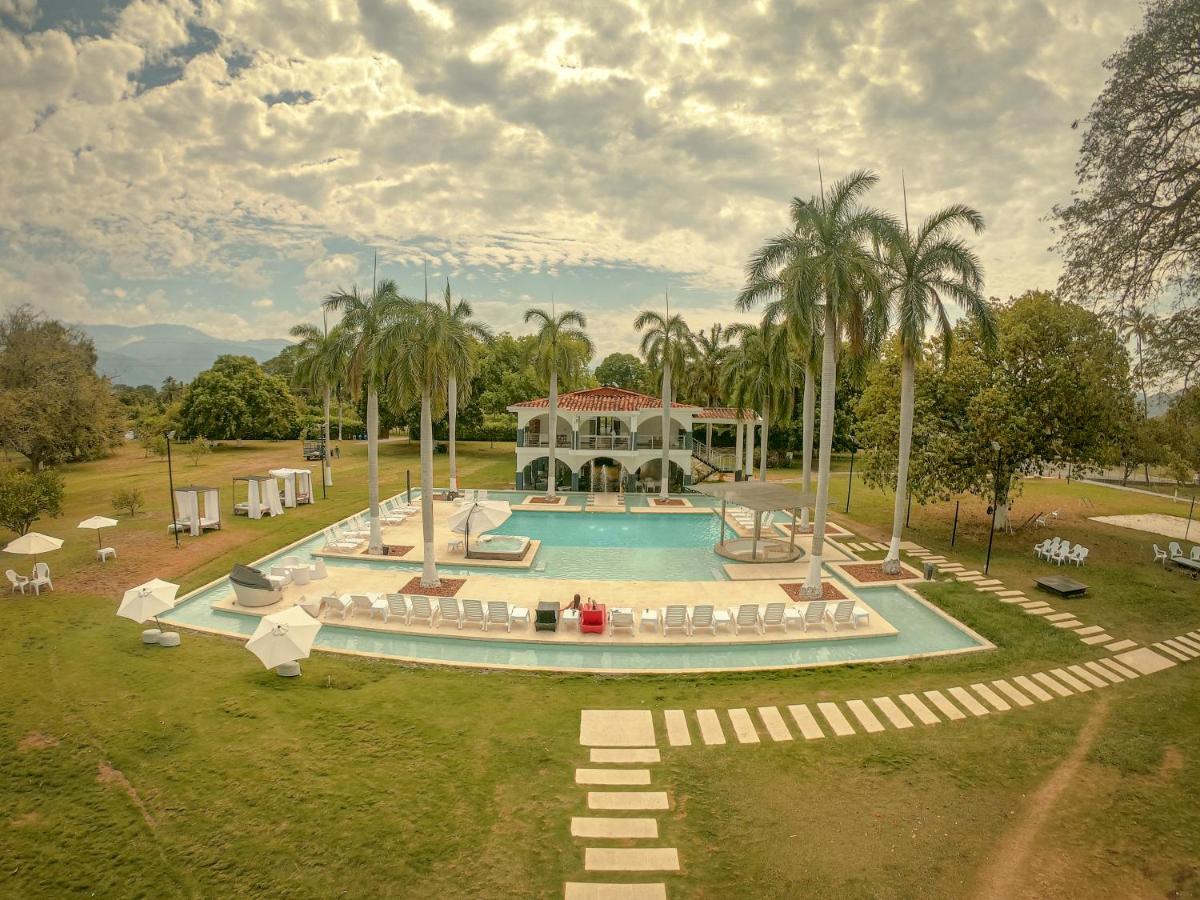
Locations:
(773, 721)
(806, 722)
(1067, 623)
(591, 891)
(1171, 651)
(997, 703)
(1090, 629)
(743, 728)
(710, 726)
(1037, 693)
(677, 728)
(944, 706)
(923, 713)
(863, 713)
(631, 859)
(894, 714)
(1104, 671)
(600, 827)
(1121, 670)
(601, 755)
(627, 800)
(1056, 686)
(1012, 693)
(1060, 617)
(1070, 680)
(1087, 675)
(968, 702)
(836, 719)
(616, 728)
(1097, 639)
(612, 776)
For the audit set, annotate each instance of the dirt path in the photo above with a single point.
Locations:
(1003, 872)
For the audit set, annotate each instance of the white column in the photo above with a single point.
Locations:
(749, 470)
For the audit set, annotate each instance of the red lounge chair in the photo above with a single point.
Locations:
(591, 620)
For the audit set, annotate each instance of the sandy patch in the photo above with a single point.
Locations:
(26, 820)
(37, 741)
(116, 778)
(1155, 523)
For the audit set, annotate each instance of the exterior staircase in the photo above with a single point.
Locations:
(708, 461)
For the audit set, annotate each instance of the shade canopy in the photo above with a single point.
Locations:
(95, 523)
(148, 600)
(480, 516)
(760, 496)
(32, 543)
(284, 637)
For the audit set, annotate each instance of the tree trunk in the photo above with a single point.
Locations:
(737, 449)
(339, 418)
(664, 485)
(326, 468)
(429, 574)
(748, 472)
(908, 366)
(812, 585)
(452, 412)
(376, 545)
(552, 423)
(810, 410)
(762, 452)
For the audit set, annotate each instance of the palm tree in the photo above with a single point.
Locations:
(561, 347)
(424, 351)
(827, 257)
(366, 318)
(922, 270)
(462, 312)
(319, 367)
(1137, 323)
(704, 375)
(667, 343)
(759, 373)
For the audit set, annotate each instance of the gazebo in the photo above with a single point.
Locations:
(189, 501)
(759, 497)
(262, 496)
(297, 485)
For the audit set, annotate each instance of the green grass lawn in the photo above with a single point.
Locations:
(130, 771)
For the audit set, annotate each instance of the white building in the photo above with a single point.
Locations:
(609, 439)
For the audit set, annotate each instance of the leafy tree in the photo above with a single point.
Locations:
(128, 500)
(319, 366)
(198, 448)
(53, 405)
(758, 372)
(668, 345)
(1133, 225)
(623, 370)
(284, 364)
(236, 400)
(1172, 350)
(1140, 444)
(26, 495)
(171, 391)
(561, 346)
(1181, 435)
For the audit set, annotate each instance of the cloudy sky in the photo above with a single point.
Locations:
(226, 163)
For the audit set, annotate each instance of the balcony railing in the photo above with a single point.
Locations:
(654, 442)
(604, 442)
(543, 440)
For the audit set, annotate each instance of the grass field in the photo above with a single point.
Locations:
(132, 771)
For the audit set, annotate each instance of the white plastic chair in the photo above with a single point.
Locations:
(748, 616)
(472, 614)
(420, 610)
(449, 611)
(16, 582)
(814, 615)
(397, 608)
(41, 578)
(1160, 554)
(774, 616)
(702, 617)
(339, 606)
(675, 616)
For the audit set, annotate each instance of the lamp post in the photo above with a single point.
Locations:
(995, 505)
(171, 486)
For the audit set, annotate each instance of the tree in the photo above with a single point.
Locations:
(1133, 225)
(127, 499)
(198, 448)
(667, 345)
(1055, 389)
(424, 350)
(923, 269)
(561, 346)
(759, 373)
(53, 406)
(1172, 351)
(1181, 436)
(319, 366)
(623, 370)
(171, 391)
(26, 495)
(237, 400)
(826, 259)
(461, 312)
(366, 319)
(703, 381)
(284, 365)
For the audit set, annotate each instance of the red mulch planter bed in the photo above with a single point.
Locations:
(448, 588)
(395, 549)
(658, 501)
(828, 592)
(874, 572)
(553, 501)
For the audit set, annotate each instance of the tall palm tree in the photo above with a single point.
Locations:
(667, 343)
(561, 347)
(366, 318)
(923, 269)
(704, 375)
(319, 367)
(759, 373)
(424, 351)
(827, 255)
(478, 331)
(1137, 323)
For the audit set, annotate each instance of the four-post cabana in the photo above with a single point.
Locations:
(262, 496)
(760, 497)
(189, 501)
(297, 486)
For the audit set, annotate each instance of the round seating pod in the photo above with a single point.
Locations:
(288, 670)
(169, 639)
(151, 636)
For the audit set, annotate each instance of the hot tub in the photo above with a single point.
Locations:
(500, 546)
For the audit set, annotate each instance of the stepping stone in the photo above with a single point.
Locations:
(1104, 672)
(577, 890)
(710, 726)
(806, 722)
(1171, 651)
(616, 728)
(894, 714)
(991, 582)
(968, 578)
(1038, 610)
(974, 572)
(743, 728)
(1187, 642)
(1014, 598)
(1112, 664)
(1030, 604)
(991, 697)
(630, 859)
(1070, 680)
(1009, 593)
(863, 713)
(1067, 623)
(1090, 629)
(677, 728)
(598, 827)
(992, 589)
(614, 800)
(1097, 639)
(773, 721)
(1144, 661)
(612, 776)
(836, 719)
(968, 702)
(1187, 651)
(1057, 686)
(1032, 689)
(1089, 676)
(625, 756)
(1194, 635)
(945, 707)
(1012, 693)
(1060, 617)
(923, 713)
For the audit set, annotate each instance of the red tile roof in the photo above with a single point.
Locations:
(602, 400)
(727, 412)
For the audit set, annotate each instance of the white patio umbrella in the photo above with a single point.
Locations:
(284, 637)
(32, 543)
(147, 600)
(95, 523)
(480, 516)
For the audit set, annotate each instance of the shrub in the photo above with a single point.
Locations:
(128, 500)
(24, 496)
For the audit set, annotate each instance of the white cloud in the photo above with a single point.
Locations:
(264, 303)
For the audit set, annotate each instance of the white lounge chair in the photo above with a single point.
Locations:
(41, 578)
(843, 614)
(498, 614)
(676, 616)
(473, 614)
(420, 610)
(774, 616)
(339, 606)
(702, 617)
(372, 603)
(621, 618)
(814, 615)
(318, 569)
(1159, 554)
(449, 611)
(397, 608)
(748, 616)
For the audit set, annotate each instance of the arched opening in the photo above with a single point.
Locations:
(537, 431)
(649, 476)
(535, 474)
(601, 475)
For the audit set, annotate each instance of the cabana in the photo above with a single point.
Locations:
(262, 496)
(297, 485)
(189, 501)
(760, 497)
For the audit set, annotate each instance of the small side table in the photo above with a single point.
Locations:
(106, 553)
(571, 617)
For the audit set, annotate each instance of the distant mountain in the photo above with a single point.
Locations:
(1158, 404)
(146, 354)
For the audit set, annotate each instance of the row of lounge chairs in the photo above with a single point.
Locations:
(1174, 553)
(414, 609)
(745, 518)
(1058, 551)
(816, 614)
(348, 536)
